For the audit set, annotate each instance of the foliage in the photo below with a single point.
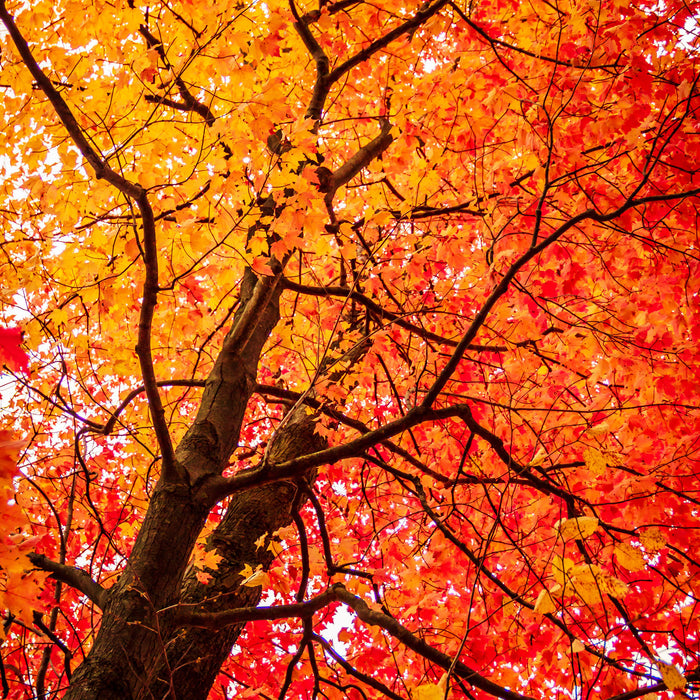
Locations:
(362, 337)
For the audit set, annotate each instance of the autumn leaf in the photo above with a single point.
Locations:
(545, 603)
(208, 559)
(253, 577)
(577, 646)
(652, 539)
(630, 557)
(431, 691)
(11, 352)
(671, 676)
(20, 584)
(374, 317)
(595, 461)
(577, 528)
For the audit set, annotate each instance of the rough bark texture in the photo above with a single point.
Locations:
(194, 656)
(129, 650)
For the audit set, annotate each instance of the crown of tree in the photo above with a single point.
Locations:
(349, 349)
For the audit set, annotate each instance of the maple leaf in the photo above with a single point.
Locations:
(545, 603)
(11, 352)
(375, 317)
(630, 557)
(671, 676)
(577, 528)
(253, 577)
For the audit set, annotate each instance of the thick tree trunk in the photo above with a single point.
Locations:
(129, 644)
(195, 656)
(130, 647)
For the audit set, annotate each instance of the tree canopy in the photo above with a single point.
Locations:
(350, 349)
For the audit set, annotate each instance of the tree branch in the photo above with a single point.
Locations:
(169, 470)
(502, 287)
(338, 593)
(350, 670)
(318, 98)
(102, 170)
(73, 576)
(107, 428)
(408, 26)
(217, 488)
(376, 618)
(640, 692)
(357, 162)
(135, 192)
(499, 42)
(382, 313)
(216, 620)
(324, 78)
(189, 102)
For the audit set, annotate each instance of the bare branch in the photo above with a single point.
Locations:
(374, 618)
(217, 488)
(135, 192)
(98, 164)
(73, 576)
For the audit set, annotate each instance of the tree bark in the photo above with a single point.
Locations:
(129, 651)
(195, 656)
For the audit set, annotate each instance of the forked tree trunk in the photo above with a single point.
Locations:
(194, 656)
(129, 652)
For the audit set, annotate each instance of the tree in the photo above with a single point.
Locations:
(361, 349)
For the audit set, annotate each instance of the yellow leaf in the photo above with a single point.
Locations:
(560, 568)
(251, 578)
(577, 528)
(539, 457)
(544, 603)
(611, 424)
(274, 547)
(652, 540)
(672, 677)
(614, 586)
(577, 646)
(630, 557)
(431, 691)
(595, 460)
(199, 239)
(382, 217)
(590, 583)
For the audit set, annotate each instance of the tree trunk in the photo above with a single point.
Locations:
(195, 656)
(129, 651)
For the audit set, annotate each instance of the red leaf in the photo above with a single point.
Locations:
(11, 353)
